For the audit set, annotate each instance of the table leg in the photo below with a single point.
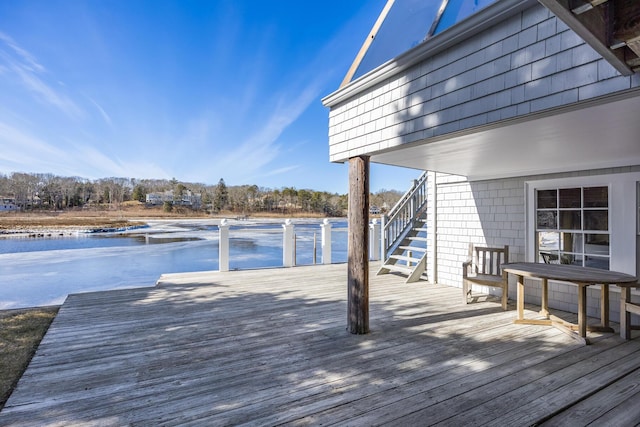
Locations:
(625, 316)
(545, 298)
(604, 306)
(582, 310)
(520, 297)
(604, 311)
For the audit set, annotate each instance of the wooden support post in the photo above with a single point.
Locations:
(358, 246)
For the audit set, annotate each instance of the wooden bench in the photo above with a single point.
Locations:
(626, 309)
(484, 268)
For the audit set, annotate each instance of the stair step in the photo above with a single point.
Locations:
(417, 238)
(413, 260)
(399, 268)
(412, 248)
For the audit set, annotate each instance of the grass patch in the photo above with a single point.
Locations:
(20, 334)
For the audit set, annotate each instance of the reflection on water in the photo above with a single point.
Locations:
(81, 241)
(150, 240)
(84, 241)
(243, 244)
(43, 271)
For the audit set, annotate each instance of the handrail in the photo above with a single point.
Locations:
(402, 216)
(403, 200)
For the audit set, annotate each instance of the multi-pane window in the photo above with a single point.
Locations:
(572, 226)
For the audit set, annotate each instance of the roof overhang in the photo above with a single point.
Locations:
(600, 133)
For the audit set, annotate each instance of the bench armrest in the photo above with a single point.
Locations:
(465, 267)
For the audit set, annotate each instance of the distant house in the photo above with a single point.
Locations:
(190, 199)
(158, 198)
(8, 204)
(374, 210)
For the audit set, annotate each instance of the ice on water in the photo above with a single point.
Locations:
(46, 276)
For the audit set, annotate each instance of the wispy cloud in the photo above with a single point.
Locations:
(21, 148)
(241, 122)
(96, 164)
(262, 147)
(103, 113)
(281, 171)
(199, 131)
(27, 59)
(95, 160)
(29, 72)
(47, 94)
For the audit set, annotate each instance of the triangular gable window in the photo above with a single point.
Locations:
(404, 24)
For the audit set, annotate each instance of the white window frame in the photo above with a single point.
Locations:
(623, 214)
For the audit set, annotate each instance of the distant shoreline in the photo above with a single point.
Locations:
(47, 226)
(42, 225)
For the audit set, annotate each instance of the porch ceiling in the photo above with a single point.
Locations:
(597, 134)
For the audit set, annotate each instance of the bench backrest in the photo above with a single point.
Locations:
(488, 260)
(551, 258)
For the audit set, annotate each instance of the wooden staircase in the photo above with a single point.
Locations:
(405, 234)
(409, 257)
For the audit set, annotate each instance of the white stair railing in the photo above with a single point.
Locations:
(401, 217)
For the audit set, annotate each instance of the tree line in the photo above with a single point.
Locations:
(44, 191)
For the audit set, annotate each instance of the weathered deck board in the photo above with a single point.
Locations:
(269, 347)
(615, 405)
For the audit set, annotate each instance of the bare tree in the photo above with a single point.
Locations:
(24, 188)
(54, 192)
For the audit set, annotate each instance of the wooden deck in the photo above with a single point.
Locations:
(270, 347)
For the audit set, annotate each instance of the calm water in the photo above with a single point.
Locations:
(43, 271)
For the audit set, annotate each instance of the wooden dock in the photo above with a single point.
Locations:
(270, 347)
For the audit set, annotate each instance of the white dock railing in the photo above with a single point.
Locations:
(289, 243)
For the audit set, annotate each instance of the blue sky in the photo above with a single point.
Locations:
(196, 90)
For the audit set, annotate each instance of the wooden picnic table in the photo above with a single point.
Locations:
(578, 275)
